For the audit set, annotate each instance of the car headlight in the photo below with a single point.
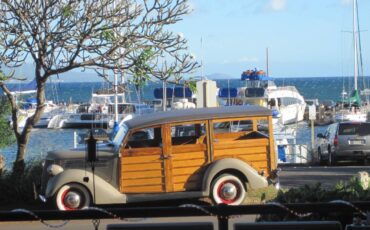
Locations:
(54, 169)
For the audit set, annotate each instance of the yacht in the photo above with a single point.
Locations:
(287, 104)
(99, 113)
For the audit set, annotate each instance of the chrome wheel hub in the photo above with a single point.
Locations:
(72, 200)
(228, 191)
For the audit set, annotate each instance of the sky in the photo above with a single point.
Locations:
(305, 38)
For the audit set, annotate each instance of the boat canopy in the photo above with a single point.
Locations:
(255, 75)
(179, 92)
(228, 92)
(173, 92)
(158, 92)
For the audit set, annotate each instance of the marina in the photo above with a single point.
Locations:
(254, 114)
(298, 133)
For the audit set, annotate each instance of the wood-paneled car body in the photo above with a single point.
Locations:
(219, 153)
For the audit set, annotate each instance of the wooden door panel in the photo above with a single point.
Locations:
(187, 160)
(142, 170)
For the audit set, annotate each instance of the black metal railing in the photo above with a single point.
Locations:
(222, 212)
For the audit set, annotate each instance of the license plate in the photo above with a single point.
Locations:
(356, 142)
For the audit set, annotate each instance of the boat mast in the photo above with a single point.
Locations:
(267, 61)
(115, 89)
(355, 45)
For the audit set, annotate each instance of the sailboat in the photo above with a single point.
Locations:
(354, 111)
(28, 106)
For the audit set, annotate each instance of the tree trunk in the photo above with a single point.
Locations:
(22, 140)
(2, 164)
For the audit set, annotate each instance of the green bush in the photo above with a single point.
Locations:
(351, 190)
(20, 189)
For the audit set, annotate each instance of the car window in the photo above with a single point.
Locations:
(187, 133)
(354, 129)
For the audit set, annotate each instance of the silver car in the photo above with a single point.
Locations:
(344, 141)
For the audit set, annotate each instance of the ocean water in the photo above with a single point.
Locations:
(44, 140)
(323, 88)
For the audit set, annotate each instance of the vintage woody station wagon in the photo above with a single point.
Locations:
(219, 153)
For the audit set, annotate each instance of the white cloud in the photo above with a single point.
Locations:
(276, 5)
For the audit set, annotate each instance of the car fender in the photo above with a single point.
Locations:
(255, 180)
(105, 193)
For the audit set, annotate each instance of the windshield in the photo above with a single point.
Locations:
(120, 135)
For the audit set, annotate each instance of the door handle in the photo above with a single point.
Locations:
(165, 157)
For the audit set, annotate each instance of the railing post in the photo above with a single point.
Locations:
(223, 222)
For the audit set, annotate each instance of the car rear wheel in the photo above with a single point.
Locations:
(331, 159)
(228, 189)
(72, 197)
(319, 157)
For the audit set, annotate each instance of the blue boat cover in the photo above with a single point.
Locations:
(275, 113)
(228, 92)
(179, 92)
(158, 93)
(31, 100)
(255, 77)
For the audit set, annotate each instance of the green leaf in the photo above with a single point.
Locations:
(67, 11)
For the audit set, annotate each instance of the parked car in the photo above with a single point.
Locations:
(190, 153)
(344, 141)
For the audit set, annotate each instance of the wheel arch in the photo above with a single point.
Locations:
(105, 193)
(236, 167)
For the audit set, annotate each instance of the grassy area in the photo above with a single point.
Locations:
(262, 195)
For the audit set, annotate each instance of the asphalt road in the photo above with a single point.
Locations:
(290, 176)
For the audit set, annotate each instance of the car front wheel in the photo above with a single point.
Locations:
(72, 197)
(331, 159)
(319, 157)
(228, 189)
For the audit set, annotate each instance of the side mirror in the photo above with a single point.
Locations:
(320, 135)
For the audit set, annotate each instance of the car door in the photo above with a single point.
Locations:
(186, 155)
(324, 142)
(142, 162)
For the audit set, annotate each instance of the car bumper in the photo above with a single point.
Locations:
(353, 154)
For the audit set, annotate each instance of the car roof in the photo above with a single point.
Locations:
(183, 115)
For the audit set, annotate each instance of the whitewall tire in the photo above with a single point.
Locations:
(228, 189)
(72, 197)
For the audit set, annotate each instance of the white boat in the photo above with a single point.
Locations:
(99, 113)
(174, 98)
(352, 108)
(287, 104)
(27, 107)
